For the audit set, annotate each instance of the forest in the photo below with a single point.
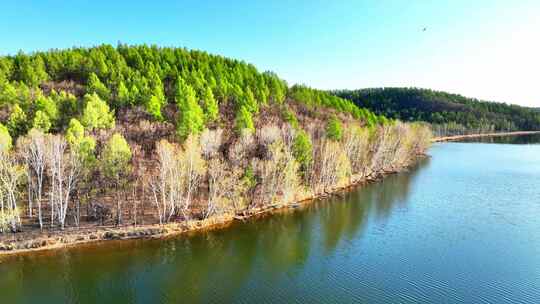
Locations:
(449, 114)
(132, 135)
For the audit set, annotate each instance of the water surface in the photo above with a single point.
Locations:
(461, 227)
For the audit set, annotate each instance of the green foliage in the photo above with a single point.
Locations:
(86, 152)
(146, 75)
(153, 106)
(96, 86)
(6, 141)
(116, 158)
(30, 69)
(17, 123)
(48, 107)
(8, 93)
(74, 132)
(136, 75)
(334, 129)
(277, 88)
(97, 114)
(244, 120)
(67, 106)
(451, 110)
(191, 118)
(303, 149)
(248, 101)
(210, 106)
(316, 98)
(83, 145)
(122, 94)
(42, 122)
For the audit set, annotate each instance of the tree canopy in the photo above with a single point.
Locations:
(97, 114)
(414, 104)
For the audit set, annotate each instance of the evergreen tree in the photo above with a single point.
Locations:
(122, 94)
(191, 118)
(134, 95)
(276, 88)
(30, 70)
(96, 86)
(249, 102)
(210, 106)
(244, 120)
(153, 106)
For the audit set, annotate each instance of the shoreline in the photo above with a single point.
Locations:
(54, 240)
(458, 137)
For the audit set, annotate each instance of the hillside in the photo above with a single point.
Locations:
(448, 112)
(130, 134)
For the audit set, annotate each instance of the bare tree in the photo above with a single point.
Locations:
(239, 152)
(32, 148)
(11, 173)
(278, 174)
(167, 184)
(331, 165)
(193, 167)
(211, 141)
(64, 170)
(177, 178)
(219, 182)
(268, 135)
(356, 146)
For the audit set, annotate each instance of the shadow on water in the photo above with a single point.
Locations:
(207, 267)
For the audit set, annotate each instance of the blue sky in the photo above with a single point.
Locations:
(484, 49)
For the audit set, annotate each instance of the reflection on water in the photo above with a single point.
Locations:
(443, 232)
(212, 266)
(345, 216)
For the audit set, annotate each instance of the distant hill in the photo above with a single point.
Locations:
(444, 109)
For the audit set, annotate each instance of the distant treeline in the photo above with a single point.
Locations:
(451, 112)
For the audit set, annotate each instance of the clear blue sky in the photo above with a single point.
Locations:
(484, 49)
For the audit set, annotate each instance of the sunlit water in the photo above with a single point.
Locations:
(461, 227)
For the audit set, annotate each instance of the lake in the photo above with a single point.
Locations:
(463, 226)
